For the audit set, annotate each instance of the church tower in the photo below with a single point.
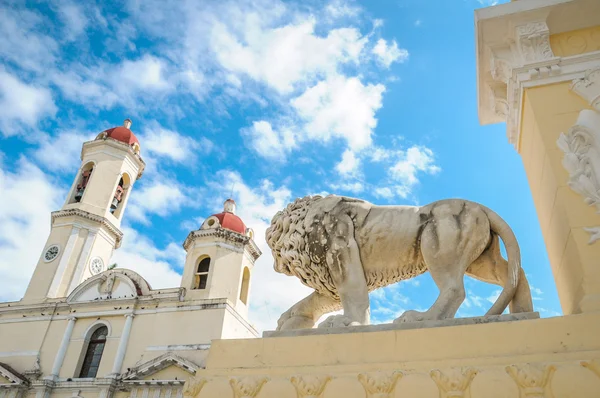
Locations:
(220, 258)
(85, 232)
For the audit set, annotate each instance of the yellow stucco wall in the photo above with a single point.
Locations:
(549, 111)
(557, 345)
(575, 42)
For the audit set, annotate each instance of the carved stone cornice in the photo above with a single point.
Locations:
(533, 380)
(379, 384)
(247, 387)
(514, 53)
(453, 383)
(116, 232)
(581, 146)
(229, 236)
(310, 386)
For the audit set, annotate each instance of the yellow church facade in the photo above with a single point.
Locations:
(84, 330)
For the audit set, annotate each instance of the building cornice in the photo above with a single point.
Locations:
(118, 145)
(116, 232)
(227, 235)
(514, 53)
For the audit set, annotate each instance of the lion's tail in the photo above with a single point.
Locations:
(500, 227)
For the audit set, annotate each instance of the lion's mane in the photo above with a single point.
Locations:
(288, 240)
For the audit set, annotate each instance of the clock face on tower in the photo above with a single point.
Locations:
(51, 253)
(96, 265)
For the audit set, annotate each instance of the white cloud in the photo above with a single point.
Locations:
(354, 187)
(74, 19)
(61, 152)
(340, 107)
(267, 142)
(349, 165)
(22, 104)
(387, 54)
(160, 196)
(283, 56)
(147, 74)
(416, 159)
(384, 192)
(161, 142)
(22, 41)
(28, 196)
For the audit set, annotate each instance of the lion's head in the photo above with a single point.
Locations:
(287, 238)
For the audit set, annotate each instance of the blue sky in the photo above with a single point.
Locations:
(268, 100)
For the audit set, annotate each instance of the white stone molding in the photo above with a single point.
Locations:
(233, 238)
(99, 287)
(533, 380)
(588, 87)
(310, 386)
(13, 376)
(581, 146)
(514, 53)
(116, 232)
(159, 363)
(453, 383)
(85, 252)
(379, 384)
(247, 387)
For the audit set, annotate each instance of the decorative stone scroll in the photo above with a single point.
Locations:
(581, 146)
(453, 383)
(310, 386)
(379, 384)
(247, 387)
(533, 380)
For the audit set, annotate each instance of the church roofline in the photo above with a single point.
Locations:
(159, 363)
(226, 234)
(116, 144)
(92, 217)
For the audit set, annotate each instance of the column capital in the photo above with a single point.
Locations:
(132, 315)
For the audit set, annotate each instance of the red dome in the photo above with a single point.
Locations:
(122, 134)
(232, 222)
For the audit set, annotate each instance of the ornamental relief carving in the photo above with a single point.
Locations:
(310, 386)
(576, 42)
(533, 40)
(533, 380)
(581, 146)
(588, 87)
(379, 384)
(453, 383)
(247, 387)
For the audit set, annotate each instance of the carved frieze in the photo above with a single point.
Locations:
(248, 386)
(379, 384)
(310, 386)
(533, 380)
(581, 146)
(453, 383)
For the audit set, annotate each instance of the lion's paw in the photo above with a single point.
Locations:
(410, 316)
(338, 321)
(294, 322)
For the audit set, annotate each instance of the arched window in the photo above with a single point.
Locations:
(93, 354)
(245, 286)
(82, 181)
(201, 277)
(118, 200)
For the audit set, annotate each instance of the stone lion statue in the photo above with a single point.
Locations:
(344, 248)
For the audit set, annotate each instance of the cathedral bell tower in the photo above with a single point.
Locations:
(220, 258)
(85, 232)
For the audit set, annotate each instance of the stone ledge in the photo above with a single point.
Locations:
(405, 326)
